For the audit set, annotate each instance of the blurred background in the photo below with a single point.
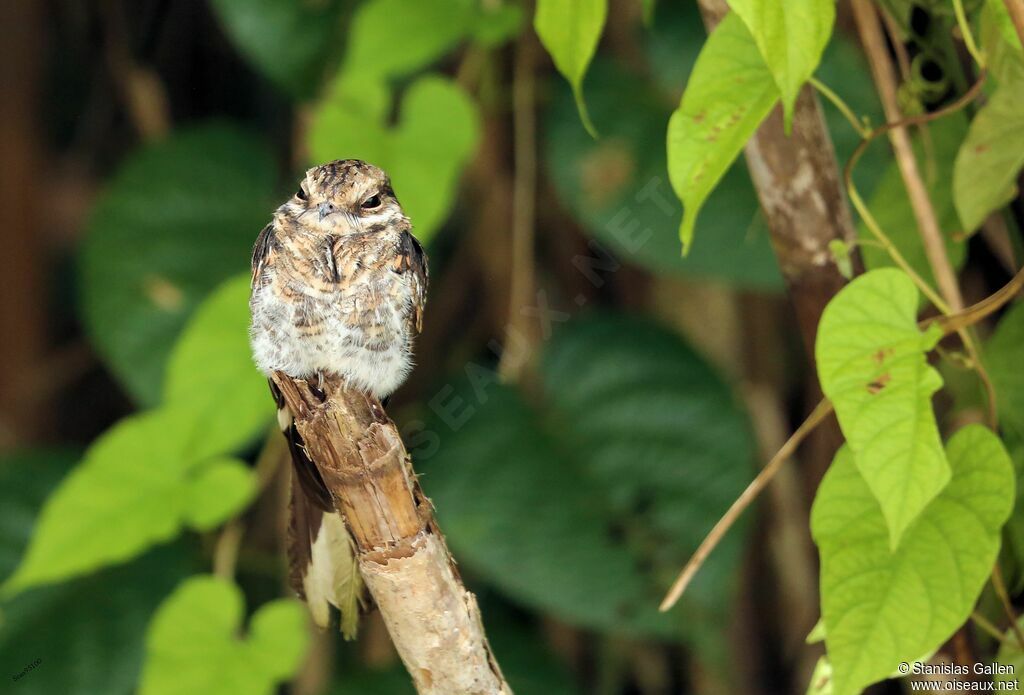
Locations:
(586, 403)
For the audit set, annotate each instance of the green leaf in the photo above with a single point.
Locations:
(179, 217)
(872, 365)
(1003, 22)
(728, 95)
(891, 207)
(192, 644)
(570, 31)
(1000, 43)
(821, 678)
(216, 491)
(134, 488)
(637, 451)
(791, 36)
(1003, 362)
(1010, 654)
(414, 34)
(87, 633)
(211, 372)
(497, 23)
(424, 154)
(287, 40)
(986, 168)
(881, 608)
(616, 188)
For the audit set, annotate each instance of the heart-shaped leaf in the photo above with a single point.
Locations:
(616, 187)
(585, 507)
(986, 168)
(1002, 359)
(288, 40)
(882, 607)
(192, 645)
(211, 371)
(872, 364)
(424, 153)
(570, 31)
(136, 487)
(791, 36)
(85, 636)
(179, 217)
(728, 95)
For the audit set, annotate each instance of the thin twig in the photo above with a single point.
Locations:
(524, 193)
(871, 34)
(1004, 598)
(229, 542)
(818, 415)
(949, 324)
(841, 105)
(225, 553)
(896, 40)
(986, 625)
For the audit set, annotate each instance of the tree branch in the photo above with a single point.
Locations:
(433, 620)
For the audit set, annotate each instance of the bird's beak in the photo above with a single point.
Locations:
(325, 209)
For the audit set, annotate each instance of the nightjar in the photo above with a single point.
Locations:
(338, 287)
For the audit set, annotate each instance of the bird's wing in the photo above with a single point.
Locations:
(263, 251)
(321, 559)
(412, 259)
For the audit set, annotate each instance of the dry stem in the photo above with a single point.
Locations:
(872, 36)
(433, 620)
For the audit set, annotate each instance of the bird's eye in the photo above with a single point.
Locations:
(301, 194)
(370, 203)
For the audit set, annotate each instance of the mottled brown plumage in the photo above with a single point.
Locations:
(338, 287)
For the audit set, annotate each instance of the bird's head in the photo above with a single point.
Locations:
(346, 196)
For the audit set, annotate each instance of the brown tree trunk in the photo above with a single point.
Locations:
(798, 183)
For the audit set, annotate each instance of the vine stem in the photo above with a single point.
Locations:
(949, 324)
(225, 553)
(229, 542)
(817, 416)
(524, 193)
(876, 230)
(1004, 598)
(841, 105)
(965, 29)
(986, 625)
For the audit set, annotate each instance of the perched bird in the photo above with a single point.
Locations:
(338, 287)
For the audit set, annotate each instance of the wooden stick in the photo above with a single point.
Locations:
(873, 38)
(433, 620)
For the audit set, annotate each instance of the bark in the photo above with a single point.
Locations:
(433, 620)
(798, 183)
(22, 187)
